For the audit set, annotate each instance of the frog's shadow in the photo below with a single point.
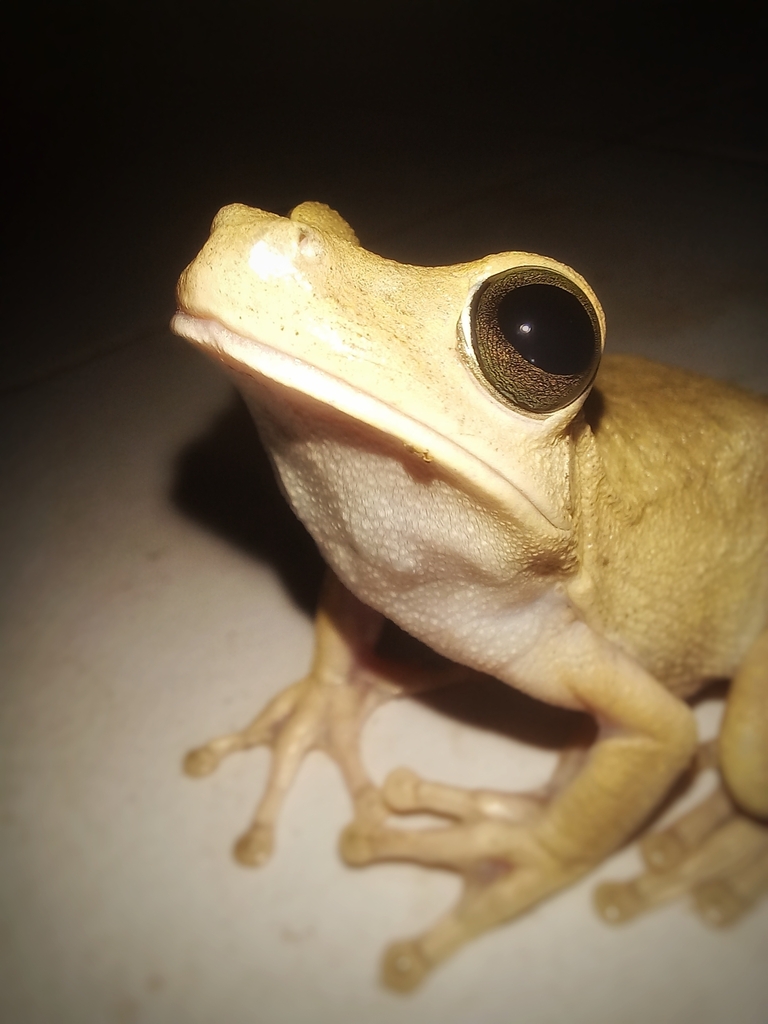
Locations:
(223, 480)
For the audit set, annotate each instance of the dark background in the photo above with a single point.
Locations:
(128, 125)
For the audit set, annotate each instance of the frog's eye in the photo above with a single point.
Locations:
(536, 337)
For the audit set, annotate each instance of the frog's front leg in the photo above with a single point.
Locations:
(325, 710)
(511, 861)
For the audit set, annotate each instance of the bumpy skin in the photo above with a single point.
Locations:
(673, 519)
(610, 556)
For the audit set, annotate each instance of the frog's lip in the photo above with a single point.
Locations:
(246, 355)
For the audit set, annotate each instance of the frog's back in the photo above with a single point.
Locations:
(673, 470)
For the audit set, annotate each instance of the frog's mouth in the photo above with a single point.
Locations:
(256, 359)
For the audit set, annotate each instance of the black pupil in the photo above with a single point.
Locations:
(549, 327)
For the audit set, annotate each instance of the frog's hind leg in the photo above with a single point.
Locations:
(743, 754)
(718, 852)
(743, 747)
(714, 853)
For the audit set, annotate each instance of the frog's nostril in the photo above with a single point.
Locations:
(307, 243)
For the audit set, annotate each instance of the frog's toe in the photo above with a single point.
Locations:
(724, 900)
(718, 859)
(617, 902)
(670, 847)
(370, 806)
(401, 790)
(206, 759)
(404, 966)
(662, 851)
(357, 846)
(717, 904)
(202, 761)
(262, 730)
(255, 846)
(357, 842)
(406, 792)
(453, 847)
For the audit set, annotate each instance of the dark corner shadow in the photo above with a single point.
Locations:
(224, 481)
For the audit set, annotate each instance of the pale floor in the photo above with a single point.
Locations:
(141, 614)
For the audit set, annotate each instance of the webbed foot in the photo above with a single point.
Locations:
(491, 842)
(325, 710)
(715, 854)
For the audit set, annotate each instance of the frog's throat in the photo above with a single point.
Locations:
(256, 359)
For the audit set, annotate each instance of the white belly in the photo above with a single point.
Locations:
(406, 539)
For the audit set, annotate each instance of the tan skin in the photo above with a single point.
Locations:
(599, 543)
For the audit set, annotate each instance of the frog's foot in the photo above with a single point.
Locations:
(714, 853)
(326, 710)
(308, 715)
(491, 844)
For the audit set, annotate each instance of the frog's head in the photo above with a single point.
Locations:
(479, 368)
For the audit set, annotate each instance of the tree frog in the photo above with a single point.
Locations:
(593, 531)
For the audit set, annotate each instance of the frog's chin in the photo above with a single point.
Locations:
(255, 359)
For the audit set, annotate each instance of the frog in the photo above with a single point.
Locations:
(591, 529)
